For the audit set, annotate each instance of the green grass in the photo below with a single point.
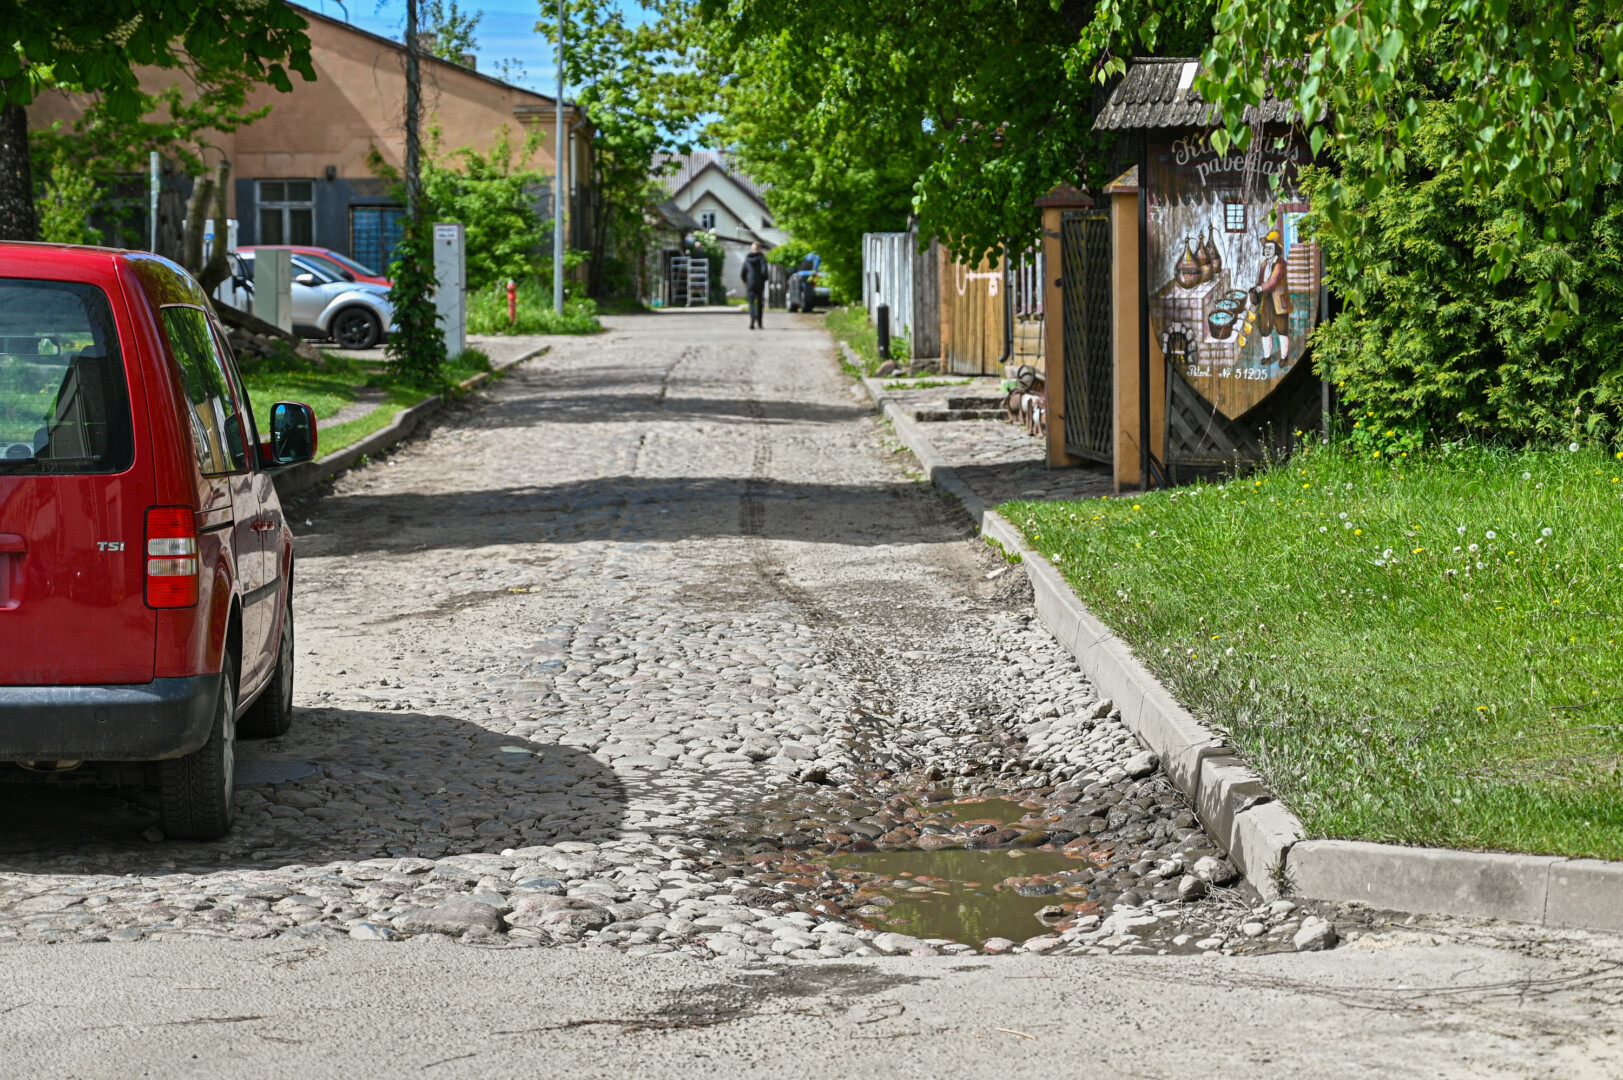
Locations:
(925, 384)
(487, 312)
(850, 324)
(329, 388)
(1416, 649)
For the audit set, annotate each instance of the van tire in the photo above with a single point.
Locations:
(272, 713)
(197, 791)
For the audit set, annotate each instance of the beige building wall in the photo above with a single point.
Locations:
(356, 103)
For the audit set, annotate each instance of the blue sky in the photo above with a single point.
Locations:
(507, 31)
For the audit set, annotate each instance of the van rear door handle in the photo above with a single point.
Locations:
(12, 544)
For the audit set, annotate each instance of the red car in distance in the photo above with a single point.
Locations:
(341, 266)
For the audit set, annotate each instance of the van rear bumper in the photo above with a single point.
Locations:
(165, 718)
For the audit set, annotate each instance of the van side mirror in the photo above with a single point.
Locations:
(292, 434)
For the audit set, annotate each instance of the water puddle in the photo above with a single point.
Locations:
(967, 896)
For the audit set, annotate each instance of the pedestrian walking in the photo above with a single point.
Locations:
(754, 275)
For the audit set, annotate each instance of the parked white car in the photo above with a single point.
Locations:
(353, 314)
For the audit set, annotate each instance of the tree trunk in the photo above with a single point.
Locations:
(218, 267)
(18, 218)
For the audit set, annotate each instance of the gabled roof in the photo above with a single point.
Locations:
(690, 166)
(1159, 92)
(425, 57)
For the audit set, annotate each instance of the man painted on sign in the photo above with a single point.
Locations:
(1271, 299)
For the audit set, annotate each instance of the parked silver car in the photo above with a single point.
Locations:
(354, 314)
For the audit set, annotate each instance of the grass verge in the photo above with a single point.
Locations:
(1419, 649)
(329, 388)
(487, 312)
(850, 324)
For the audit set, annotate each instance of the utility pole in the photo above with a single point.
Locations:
(414, 179)
(154, 184)
(558, 181)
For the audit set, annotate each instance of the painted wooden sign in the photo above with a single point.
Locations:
(1234, 290)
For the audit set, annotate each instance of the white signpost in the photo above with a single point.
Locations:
(451, 290)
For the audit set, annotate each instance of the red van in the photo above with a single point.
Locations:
(146, 570)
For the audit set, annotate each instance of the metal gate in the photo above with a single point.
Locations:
(1085, 252)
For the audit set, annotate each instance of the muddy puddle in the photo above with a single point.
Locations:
(967, 896)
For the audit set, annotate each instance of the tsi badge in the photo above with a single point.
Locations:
(109, 545)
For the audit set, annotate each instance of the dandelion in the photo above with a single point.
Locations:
(1546, 531)
(1136, 507)
(1342, 515)
(1572, 448)
(1346, 524)
(1324, 528)
(1473, 547)
(1492, 535)
(1460, 530)
(1358, 532)
(1527, 476)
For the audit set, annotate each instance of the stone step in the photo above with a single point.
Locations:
(929, 415)
(976, 401)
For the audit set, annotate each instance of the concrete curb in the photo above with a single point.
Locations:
(299, 478)
(1264, 839)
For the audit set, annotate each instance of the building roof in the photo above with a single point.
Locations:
(426, 57)
(689, 166)
(1159, 92)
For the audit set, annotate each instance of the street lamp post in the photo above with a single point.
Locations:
(558, 182)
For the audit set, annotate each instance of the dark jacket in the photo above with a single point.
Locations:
(755, 272)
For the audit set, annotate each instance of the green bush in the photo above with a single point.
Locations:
(1429, 343)
(487, 311)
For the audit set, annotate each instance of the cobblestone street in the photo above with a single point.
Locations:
(657, 645)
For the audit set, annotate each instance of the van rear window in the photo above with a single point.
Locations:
(64, 404)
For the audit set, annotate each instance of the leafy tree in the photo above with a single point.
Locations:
(70, 195)
(640, 93)
(493, 195)
(1537, 101)
(856, 115)
(1431, 342)
(450, 29)
(96, 45)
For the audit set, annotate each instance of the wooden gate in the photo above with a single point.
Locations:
(974, 330)
(1086, 254)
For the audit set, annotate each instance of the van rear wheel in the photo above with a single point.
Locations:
(196, 791)
(272, 714)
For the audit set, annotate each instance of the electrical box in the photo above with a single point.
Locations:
(273, 287)
(451, 285)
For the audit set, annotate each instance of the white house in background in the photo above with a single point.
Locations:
(711, 190)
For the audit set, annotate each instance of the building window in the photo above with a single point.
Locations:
(373, 233)
(707, 219)
(766, 223)
(1234, 217)
(287, 212)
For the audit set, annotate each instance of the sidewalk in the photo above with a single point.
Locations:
(998, 460)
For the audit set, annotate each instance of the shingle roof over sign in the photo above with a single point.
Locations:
(1158, 92)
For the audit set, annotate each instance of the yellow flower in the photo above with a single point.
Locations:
(1377, 453)
(1136, 506)
(1358, 532)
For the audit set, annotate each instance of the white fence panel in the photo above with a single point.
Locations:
(887, 278)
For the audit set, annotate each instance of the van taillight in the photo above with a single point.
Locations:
(171, 555)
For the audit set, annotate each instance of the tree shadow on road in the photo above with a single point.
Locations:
(388, 784)
(626, 508)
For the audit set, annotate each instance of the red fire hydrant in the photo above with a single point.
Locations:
(512, 303)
